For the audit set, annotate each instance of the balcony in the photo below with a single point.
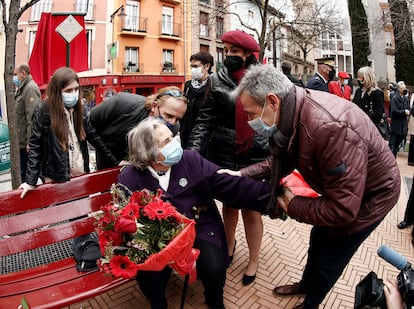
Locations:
(173, 1)
(135, 27)
(204, 32)
(170, 31)
(132, 68)
(168, 67)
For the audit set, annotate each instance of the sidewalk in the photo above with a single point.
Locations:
(282, 259)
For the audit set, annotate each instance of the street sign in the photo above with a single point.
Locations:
(69, 28)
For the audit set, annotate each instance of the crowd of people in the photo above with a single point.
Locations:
(240, 129)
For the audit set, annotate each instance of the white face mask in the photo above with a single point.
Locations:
(70, 98)
(196, 73)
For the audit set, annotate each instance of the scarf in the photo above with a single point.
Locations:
(244, 133)
(283, 163)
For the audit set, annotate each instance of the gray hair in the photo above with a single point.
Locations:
(142, 143)
(262, 79)
(401, 84)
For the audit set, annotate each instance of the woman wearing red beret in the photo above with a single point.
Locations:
(223, 135)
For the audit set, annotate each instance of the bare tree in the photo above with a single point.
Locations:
(11, 13)
(304, 25)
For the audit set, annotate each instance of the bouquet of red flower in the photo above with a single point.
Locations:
(143, 232)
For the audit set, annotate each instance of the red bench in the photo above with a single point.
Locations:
(41, 226)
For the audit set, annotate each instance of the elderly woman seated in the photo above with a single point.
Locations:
(190, 183)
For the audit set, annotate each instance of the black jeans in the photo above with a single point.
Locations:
(328, 255)
(23, 163)
(211, 270)
(395, 142)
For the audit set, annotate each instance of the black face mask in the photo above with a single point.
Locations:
(331, 75)
(360, 83)
(405, 92)
(234, 63)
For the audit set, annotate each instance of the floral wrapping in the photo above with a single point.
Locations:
(143, 232)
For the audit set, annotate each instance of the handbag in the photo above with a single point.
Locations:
(384, 127)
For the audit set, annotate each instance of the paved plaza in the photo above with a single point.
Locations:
(283, 256)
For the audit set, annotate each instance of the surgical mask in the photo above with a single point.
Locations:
(172, 152)
(196, 73)
(345, 82)
(234, 63)
(405, 91)
(16, 81)
(260, 127)
(70, 99)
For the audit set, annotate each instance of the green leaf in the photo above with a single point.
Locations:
(24, 303)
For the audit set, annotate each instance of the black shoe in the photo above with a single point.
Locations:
(403, 225)
(248, 279)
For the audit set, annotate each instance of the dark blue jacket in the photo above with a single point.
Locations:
(399, 123)
(316, 82)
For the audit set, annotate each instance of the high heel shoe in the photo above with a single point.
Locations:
(231, 256)
(248, 279)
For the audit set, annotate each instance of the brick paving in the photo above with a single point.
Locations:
(283, 256)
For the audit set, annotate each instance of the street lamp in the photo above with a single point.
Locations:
(122, 15)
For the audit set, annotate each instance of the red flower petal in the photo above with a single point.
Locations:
(122, 266)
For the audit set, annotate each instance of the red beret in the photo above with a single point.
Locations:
(343, 75)
(241, 39)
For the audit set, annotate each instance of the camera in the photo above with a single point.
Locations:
(370, 290)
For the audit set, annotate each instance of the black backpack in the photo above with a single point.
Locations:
(86, 253)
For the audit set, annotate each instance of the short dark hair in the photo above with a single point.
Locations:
(24, 68)
(204, 58)
(286, 67)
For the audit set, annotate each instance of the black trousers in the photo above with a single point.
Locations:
(411, 150)
(23, 163)
(328, 256)
(211, 270)
(409, 210)
(395, 142)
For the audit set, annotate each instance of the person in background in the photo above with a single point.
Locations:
(110, 121)
(410, 132)
(400, 110)
(326, 73)
(286, 69)
(194, 90)
(351, 168)
(191, 184)
(341, 87)
(368, 96)
(58, 147)
(27, 96)
(222, 135)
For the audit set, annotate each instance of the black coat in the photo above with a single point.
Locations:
(214, 134)
(399, 123)
(195, 97)
(372, 104)
(109, 123)
(46, 156)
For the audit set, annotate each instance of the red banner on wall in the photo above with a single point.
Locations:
(49, 49)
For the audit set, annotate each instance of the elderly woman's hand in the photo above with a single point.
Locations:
(230, 172)
(285, 199)
(25, 187)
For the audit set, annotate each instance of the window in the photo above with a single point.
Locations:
(219, 58)
(85, 6)
(167, 20)
(39, 7)
(32, 37)
(204, 31)
(132, 15)
(168, 60)
(89, 42)
(131, 59)
(219, 27)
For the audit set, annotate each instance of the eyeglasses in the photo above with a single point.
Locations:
(173, 93)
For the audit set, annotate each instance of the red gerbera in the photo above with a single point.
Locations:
(122, 266)
(158, 209)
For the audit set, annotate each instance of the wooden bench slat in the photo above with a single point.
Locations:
(46, 216)
(40, 238)
(54, 193)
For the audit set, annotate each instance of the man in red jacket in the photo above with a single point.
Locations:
(340, 154)
(341, 87)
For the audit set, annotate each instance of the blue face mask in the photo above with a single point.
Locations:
(260, 127)
(70, 99)
(172, 152)
(16, 81)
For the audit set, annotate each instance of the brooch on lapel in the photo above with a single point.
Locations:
(183, 182)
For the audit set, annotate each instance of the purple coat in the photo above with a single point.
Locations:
(194, 182)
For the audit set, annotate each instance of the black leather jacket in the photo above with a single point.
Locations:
(46, 156)
(214, 134)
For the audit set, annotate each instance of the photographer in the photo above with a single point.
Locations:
(393, 296)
